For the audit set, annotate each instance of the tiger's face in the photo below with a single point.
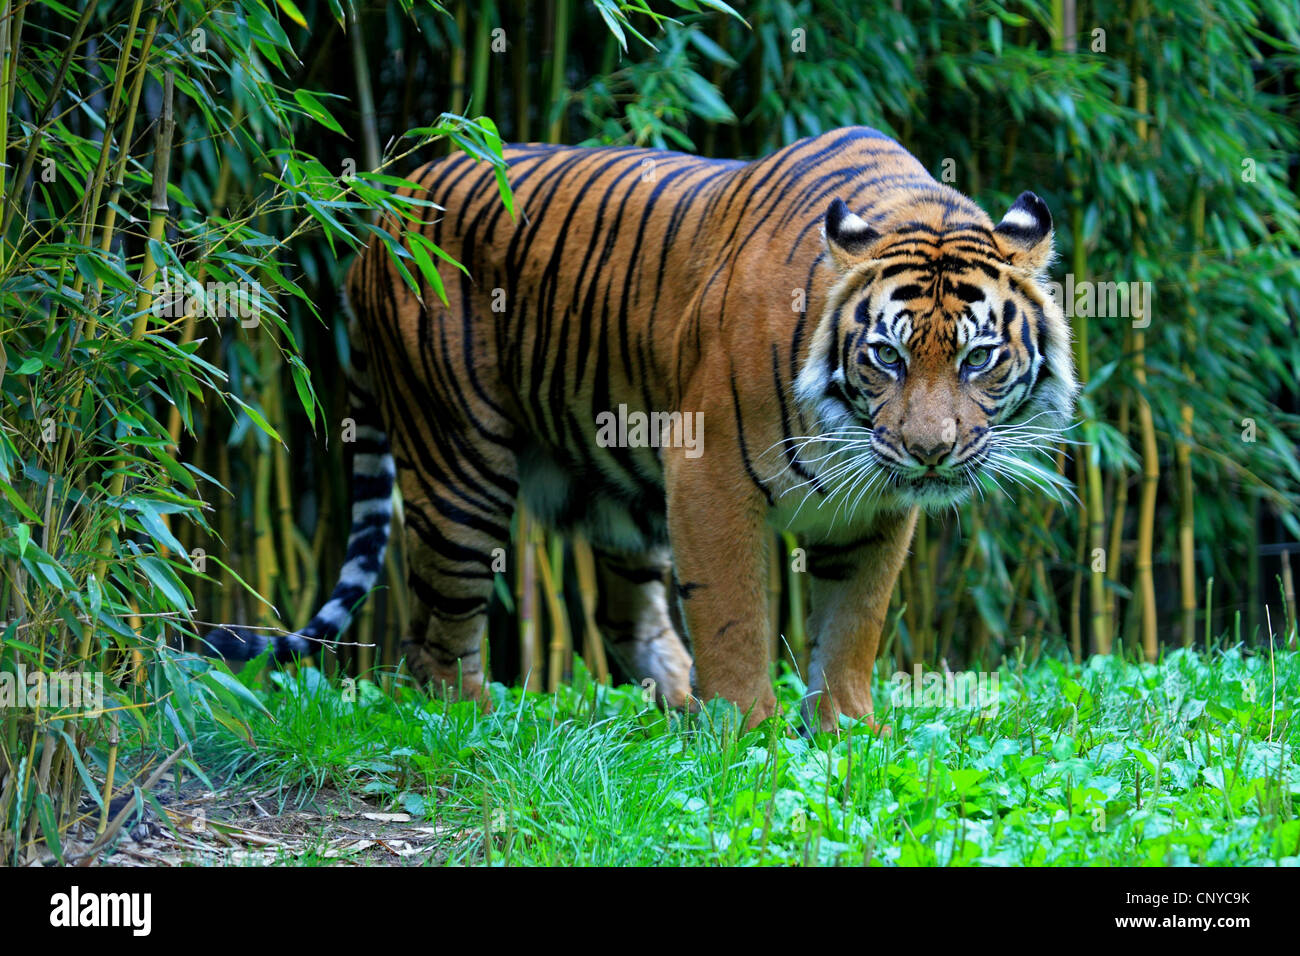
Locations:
(940, 356)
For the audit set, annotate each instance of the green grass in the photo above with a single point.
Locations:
(1191, 761)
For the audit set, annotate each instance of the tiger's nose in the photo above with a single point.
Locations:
(928, 453)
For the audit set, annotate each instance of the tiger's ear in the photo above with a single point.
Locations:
(1024, 236)
(848, 236)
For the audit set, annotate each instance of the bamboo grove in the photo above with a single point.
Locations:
(163, 469)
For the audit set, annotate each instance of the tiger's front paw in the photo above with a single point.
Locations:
(822, 710)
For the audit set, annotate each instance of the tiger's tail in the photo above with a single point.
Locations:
(373, 475)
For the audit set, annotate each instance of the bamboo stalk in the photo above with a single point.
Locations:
(1095, 511)
(774, 590)
(226, 529)
(1147, 502)
(1076, 587)
(1209, 610)
(11, 33)
(110, 211)
(9, 45)
(263, 523)
(948, 623)
(263, 541)
(1186, 529)
(1253, 589)
(921, 640)
(365, 639)
(458, 60)
(1288, 596)
(365, 97)
(796, 632)
(1053, 611)
(51, 102)
(1146, 423)
(88, 327)
(551, 567)
(530, 652)
(189, 534)
(1060, 31)
(400, 624)
(1020, 592)
(980, 639)
(1183, 448)
(224, 179)
(67, 791)
(483, 21)
(559, 54)
(288, 563)
(520, 63)
(311, 554)
(51, 746)
(720, 25)
(108, 774)
(897, 607)
(158, 210)
(907, 597)
(1128, 618)
(158, 207)
(1115, 544)
(593, 645)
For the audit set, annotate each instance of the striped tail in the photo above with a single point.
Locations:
(373, 474)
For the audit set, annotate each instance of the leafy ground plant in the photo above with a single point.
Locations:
(1190, 760)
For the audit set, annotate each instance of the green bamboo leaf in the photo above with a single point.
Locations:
(49, 828)
(152, 522)
(437, 251)
(161, 813)
(995, 35)
(237, 690)
(96, 598)
(162, 577)
(24, 535)
(317, 111)
(257, 418)
(705, 44)
(302, 385)
(425, 263)
(292, 12)
(92, 788)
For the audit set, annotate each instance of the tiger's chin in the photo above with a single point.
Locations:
(932, 491)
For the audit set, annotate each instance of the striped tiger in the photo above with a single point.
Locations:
(674, 356)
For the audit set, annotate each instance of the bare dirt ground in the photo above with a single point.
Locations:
(246, 828)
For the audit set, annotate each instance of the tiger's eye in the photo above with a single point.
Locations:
(886, 354)
(978, 358)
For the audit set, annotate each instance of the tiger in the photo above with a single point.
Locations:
(853, 340)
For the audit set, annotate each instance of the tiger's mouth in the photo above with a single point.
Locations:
(934, 487)
(934, 491)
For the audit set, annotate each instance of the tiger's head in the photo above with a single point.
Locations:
(940, 354)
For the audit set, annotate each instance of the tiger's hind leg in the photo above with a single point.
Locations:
(633, 615)
(454, 534)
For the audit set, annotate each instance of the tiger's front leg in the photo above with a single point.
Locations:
(719, 539)
(851, 585)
